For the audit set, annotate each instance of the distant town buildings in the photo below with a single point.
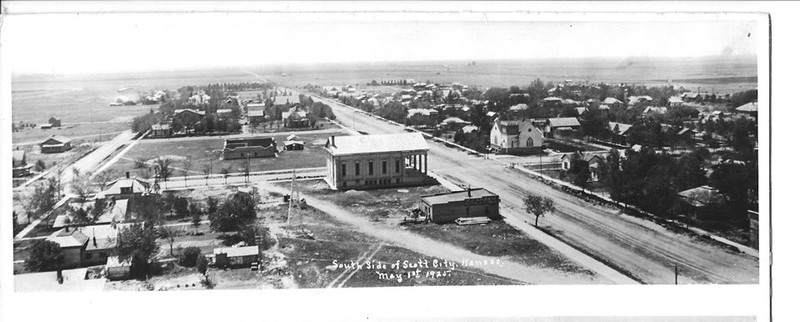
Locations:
(376, 161)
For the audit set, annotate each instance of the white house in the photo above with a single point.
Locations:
(515, 136)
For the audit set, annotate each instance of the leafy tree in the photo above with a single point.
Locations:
(225, 171)
(595, 124)
(611, 177)
(138, 244)
(98, 209)
(580, 169)
(202, 264)
(211, 205)
(538, 206)
(181, 207)
(690, 172)
(44, 197)
(196, 213)
(39, 166)
(235, 214)
(80, 216)
(45, 256)
(736, 181)
(189, 257)
(163, 168)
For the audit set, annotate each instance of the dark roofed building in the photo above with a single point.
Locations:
(56, 144)
(447, 207)
(263, 147)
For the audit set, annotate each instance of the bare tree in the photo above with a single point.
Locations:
(187, 166)
(207, 171)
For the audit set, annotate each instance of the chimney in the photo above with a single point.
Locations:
(333, 141)
(127, 175)
(59, 276)
(469, 191)
(94, 239)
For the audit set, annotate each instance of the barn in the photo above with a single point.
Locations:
(447, 207)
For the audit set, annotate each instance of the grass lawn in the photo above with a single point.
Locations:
(203, 151)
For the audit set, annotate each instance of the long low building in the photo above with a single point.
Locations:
(377, 161)
(248, 148)
(447, 207)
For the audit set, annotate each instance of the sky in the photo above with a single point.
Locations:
(123, 42)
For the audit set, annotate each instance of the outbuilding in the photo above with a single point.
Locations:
(235, 256)
(56, 144)
(447, 207)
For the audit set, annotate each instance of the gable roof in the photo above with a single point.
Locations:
(56, 139)
(186, 110)
(702, 196)
(619, 128)
(255, 113)
(564, 122)
(115, 187)
(357, 144)
(748, 107)
(67, 239)
(611, 100)
(288, 99)
(519, 107)
(455, 120)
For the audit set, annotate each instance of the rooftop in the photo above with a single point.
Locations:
(749, 107)
(702, 196)
(358, 144)
(237, 251)
(73, 280)
(476, 193)
(564, 122)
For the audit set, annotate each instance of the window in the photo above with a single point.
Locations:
(358, 169)
(370, 168)
(125, 190)
(396, 166)
(344, 169)
(384, 167)
(530, 142)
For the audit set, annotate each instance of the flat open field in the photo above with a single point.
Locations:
(207, 150)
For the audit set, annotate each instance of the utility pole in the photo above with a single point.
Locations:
(294, 196)
(676, 274)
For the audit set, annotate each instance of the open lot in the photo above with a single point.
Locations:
(497, 239)
(207, 150)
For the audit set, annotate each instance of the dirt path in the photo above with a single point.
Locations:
(430, 247)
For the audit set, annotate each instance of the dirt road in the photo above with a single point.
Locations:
(640, 248)
(430, 247)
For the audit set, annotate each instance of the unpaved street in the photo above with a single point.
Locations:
(637, 247)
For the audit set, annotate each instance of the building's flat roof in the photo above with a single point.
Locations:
(457, 196)
(359, 144)
(74, 280)
(237, 251)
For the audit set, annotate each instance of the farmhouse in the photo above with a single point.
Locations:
(56, 144)
(612, 102)
(20, 166)
(235, 256)
(675, 101)
(377, 161)
(263, 147)
(515, 136)
(449, 206)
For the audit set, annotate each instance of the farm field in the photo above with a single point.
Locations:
(203, 151)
